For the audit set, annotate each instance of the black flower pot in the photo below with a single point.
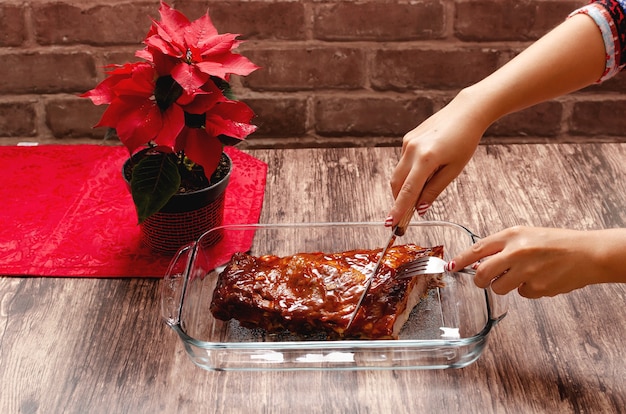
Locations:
(186, 216)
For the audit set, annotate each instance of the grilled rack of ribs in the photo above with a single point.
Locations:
(312, 293)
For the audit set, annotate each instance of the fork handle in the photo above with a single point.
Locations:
(408, 274)
(466, 270)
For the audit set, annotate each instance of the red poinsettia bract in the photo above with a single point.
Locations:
(175, 99)
(192, 52)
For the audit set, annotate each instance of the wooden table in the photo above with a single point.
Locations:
(99, 346)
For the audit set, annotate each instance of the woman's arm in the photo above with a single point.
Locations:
(546, 262)
(566, 59)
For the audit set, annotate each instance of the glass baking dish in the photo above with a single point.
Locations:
(447, 329)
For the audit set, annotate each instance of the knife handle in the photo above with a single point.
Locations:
(400, 228)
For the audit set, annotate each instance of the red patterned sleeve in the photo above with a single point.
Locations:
(609, 16)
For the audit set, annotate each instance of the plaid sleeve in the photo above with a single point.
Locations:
(609, 16)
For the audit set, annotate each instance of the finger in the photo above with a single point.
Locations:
(534, 289)
(527, 291)
(435, 184)
(399, 175)
(495, 273)
(409, 192)
(483, 248)
(504, 282)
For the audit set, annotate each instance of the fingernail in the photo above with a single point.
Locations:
(388, 221)
(448, 267)
(423, 208)
(475, 265)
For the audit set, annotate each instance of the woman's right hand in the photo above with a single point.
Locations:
(433, 154)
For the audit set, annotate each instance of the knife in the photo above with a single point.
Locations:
(398, 230)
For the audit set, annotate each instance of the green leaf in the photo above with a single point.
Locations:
(155, 180)
(224, 86)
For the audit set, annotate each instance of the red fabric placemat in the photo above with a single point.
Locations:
(66, 211)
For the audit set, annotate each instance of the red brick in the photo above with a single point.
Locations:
(615, 84)
(119, 56)
(402, 69)
(369, 116)
(46, 72)
(604, 117)
(62, 23)
(74, 117)
(17, 119)
(306, 68)
(543, 120)
(252, 20)
(551, 13)
(284, 117)
(13, 32)
(489, 20)
(379, 21)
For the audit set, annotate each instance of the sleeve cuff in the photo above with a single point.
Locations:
(607, 27)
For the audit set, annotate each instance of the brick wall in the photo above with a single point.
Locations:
(334, 72)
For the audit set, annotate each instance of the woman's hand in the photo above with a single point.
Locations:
(433, 154)
(544, 261)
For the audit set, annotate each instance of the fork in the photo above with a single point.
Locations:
(427, 265)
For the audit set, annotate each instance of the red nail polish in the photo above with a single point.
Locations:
(449, 267)
(423, 208)
(388, 221)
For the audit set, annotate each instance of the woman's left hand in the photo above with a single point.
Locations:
(544, 261)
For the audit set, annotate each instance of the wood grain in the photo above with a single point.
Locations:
(99, 346)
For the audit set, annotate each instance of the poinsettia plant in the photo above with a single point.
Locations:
(176, 101)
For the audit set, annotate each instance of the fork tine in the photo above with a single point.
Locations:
(415, 265)
(413, 268)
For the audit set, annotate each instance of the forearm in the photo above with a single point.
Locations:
(608, 255)
(566, 59)
(570, 57)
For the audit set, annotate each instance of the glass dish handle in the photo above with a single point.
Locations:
(174, 283)
(498, 304)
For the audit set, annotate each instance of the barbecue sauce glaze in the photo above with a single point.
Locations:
(309, 293)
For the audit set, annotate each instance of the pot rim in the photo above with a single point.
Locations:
(209, 188)
(188, 201)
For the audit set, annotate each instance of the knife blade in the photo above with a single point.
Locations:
(368, 283)
(398, 230)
